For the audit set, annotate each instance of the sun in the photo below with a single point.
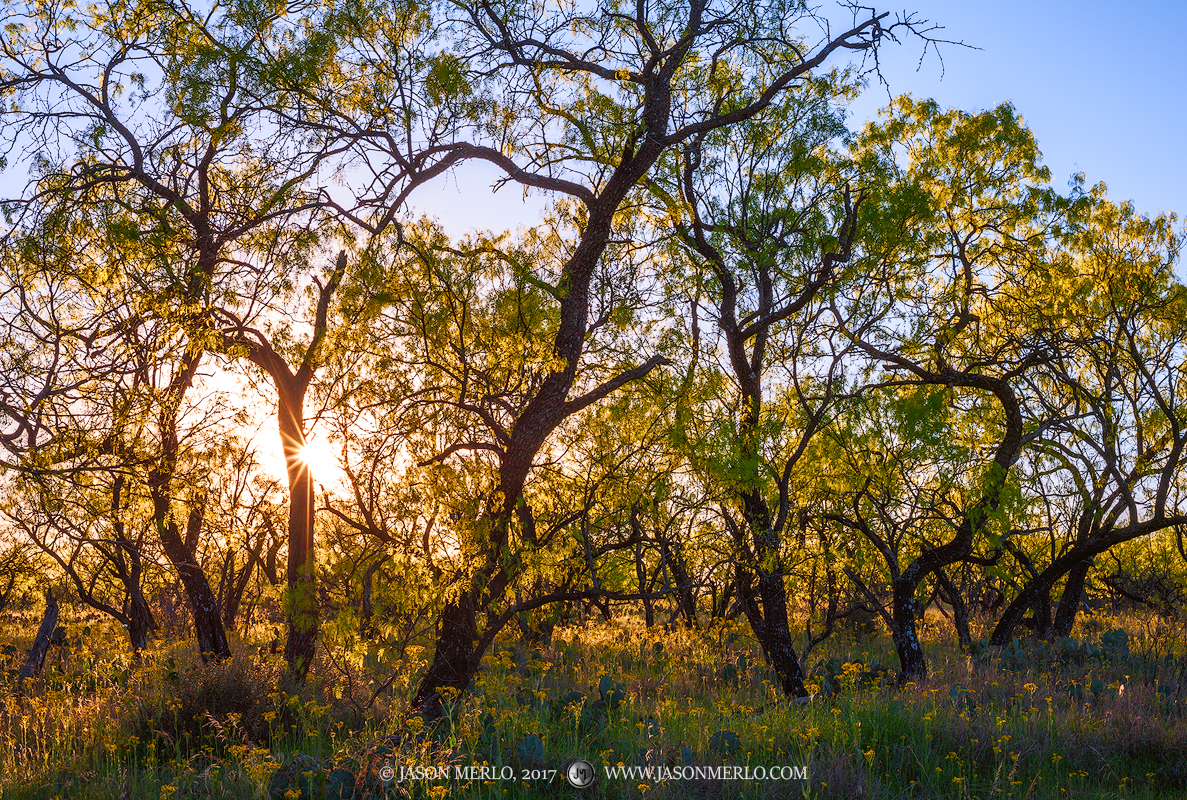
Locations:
(322, 459)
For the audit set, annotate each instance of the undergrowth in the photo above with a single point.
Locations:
(1076, 718)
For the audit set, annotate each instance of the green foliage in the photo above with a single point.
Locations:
(1115, 644)
(613, 693)
(727, 743)
(1072, 651)
(238, 695)
(1016, 657)
(531, 751)
(340, 784)
(863, 347)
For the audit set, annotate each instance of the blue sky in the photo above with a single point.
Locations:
(1100, 84)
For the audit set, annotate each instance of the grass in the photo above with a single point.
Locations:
(1098, 723)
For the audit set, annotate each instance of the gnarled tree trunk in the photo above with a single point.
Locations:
(35, 660)
(1069, 601)
(208, 623)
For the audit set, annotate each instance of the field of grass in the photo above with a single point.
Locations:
(1102, 716)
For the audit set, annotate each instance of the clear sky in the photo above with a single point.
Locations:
(1102, 85)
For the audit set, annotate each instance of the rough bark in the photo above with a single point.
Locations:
(1086, 550)
(764, 597)
(35, 660)
(912, 661)
(776, 640)
(1042, 615)
(1069, 601)
(141, 622)
(208, 623)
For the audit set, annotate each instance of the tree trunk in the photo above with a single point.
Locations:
(140, 620)
(1026, 600)
(1078, 557)
(301, 609)
(35, 660)
(641, 576)
(8, 589)
(1042, 611)
(906, 635)
(301, 603)
(458, 649)
(454, 660)
(238, 585)
(1069, 602)
(960, 613)
(366, 626)
(776, 638)
(686, 601)
(770, 623)
(208, 622)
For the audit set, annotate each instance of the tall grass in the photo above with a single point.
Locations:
(1072, 719)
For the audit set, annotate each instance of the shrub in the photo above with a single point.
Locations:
(235, 698)
(1115, 644)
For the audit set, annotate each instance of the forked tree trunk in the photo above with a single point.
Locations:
(765, 601)
(1069, 602)
(960, 613)
(1070, 564)
(458, 647)
(208, 623)
(237, 585)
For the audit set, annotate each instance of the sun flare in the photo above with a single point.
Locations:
(322, 459)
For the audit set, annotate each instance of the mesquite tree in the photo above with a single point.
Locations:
(171, 123)
(763, 213)
(1109, 469)
(969, 246)
(581, 105)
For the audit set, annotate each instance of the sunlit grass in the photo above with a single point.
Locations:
(100, 724)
